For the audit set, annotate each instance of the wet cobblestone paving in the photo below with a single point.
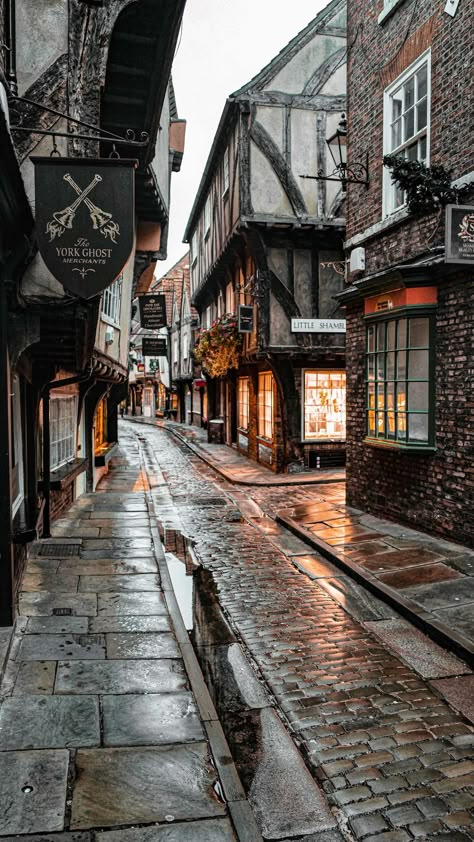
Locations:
(394, 759)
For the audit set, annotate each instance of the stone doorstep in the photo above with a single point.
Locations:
(459, 644)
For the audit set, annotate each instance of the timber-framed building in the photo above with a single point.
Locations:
(263, 235)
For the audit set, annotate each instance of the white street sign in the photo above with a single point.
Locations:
(318, 325)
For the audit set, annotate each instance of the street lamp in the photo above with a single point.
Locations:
(355, 173)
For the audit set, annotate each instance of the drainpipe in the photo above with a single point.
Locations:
(10, 46)
(54, 384)
(6, 545)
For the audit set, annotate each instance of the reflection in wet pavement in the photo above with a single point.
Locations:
(182, 581)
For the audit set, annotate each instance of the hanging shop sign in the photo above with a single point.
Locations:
(318, 325)
(152, 311)
(85, 219)
(246, 320)
(459, 234)
(154, 346)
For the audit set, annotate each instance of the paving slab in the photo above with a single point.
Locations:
(151, 720)
(49, 722)
(142, 645)
(109, 567)
(33, 791)
(421, 576)
(49, 581)
(418, 650)
(459, 692)
(137, 785)
(44, 604)
(57, 837)
(209, 830)
(316, 567)
(147, 602)
(444, 594)
(460, 618)
(141, 676)
(35, 677)
(60, 647)
(57, 625)
(117, 544)
(134, 623)
(116, 554)
(115, 584)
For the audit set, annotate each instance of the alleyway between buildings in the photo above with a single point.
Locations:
(338, 731)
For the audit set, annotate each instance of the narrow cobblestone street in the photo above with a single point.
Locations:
(106, 723)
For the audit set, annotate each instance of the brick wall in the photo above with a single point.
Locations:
(379, 54)
(61, 500)
(435, 491)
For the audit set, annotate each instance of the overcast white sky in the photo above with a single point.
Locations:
(223, 44)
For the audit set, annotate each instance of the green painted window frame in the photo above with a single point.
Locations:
(388, 348)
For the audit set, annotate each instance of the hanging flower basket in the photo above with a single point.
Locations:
(217, 348)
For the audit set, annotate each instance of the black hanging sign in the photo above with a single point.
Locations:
(460, 234)
(154, 346)
(245, 319)
(152, 311)
(85, 219)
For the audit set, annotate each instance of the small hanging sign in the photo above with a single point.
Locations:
(154, 346)
(459, 234)
(152, 311)
(246, 321)
(85, 219)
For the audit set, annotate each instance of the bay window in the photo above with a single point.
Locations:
(398, 380)
(324, 405)
(243, 402)
(407, 124)
(265, 405)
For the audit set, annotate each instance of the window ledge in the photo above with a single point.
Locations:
(405, 448)
(103, 458)
(65, 475)
(389, 10)
(109, 321)
(23, 532)
(388, 221)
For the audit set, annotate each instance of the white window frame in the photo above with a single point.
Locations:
(62, 427)
(207, 216)
(319, 439)
(388, 203)
(194, 249)
(243, 403)
(225, 173)
(112, 303)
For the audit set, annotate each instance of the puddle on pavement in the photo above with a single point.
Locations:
(182, 580)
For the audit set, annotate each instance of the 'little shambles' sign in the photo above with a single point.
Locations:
(152, 311)
(85, 219)
(459, 234)
(318, 325)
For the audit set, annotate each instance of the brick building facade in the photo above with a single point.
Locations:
(410, 410)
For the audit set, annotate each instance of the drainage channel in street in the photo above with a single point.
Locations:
(286, 800)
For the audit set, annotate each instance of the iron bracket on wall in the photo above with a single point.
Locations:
(102, 134)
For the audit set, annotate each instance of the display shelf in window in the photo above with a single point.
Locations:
(324, 405)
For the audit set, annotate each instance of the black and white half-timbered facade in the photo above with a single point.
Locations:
(264, 236)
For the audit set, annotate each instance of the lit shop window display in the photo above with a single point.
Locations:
(324, 405)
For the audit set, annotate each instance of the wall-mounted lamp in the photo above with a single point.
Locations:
(355, 173)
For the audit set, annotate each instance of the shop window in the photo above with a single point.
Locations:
(243, 402)
(406, 124)
(111, 301)
(265, 405)
(100, 426)
(324, 405)
(62, 426)
(399, 378)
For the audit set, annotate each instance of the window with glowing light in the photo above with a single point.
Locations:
(324, 405)
(265, 405)
(399, 380)
(243, 402)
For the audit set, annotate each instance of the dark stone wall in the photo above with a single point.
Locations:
(429, 491)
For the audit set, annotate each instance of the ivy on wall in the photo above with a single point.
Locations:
(427, 189)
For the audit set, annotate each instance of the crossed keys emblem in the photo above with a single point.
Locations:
(101, 220)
